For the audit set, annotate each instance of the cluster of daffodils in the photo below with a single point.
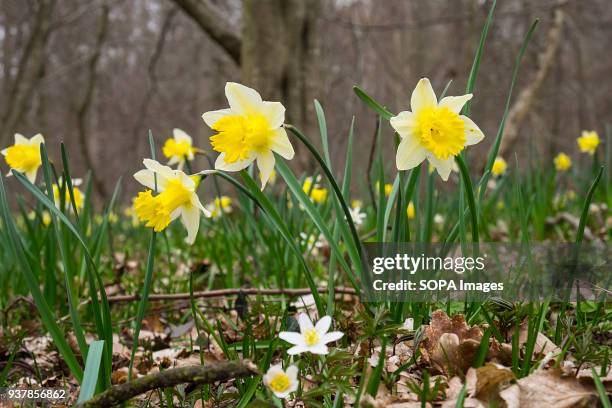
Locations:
(312, 338)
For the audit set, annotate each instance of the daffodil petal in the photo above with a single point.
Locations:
(220, 163)
(21, 139)
(275, 113)
(423, 96)
(181, 136)
(409, 154)
(190, 218)
(305, 322)
(37, 139)
(297, 350)
(210, 118)
(323, 325)
(173, 160)
(455, 103)
(4, 151)
(146, 178)
(473, 134)
(292, 337)
(31, 176)
(404, 123)
(242, 99)
(163, 172)
(265, 163)
(443, 167)
(332, 336)
(280, 144)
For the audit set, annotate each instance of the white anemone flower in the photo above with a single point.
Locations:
(311, 338)
(433, 131)
(250, 130)
(280, 382)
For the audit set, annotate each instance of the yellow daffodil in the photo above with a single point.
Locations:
(179, 147)
(562, 162)
(315, 192)
(219, 206)
(60, 195)
(311, 338)
(410, 211)
(356, 204)
(499, 166)
(176, 197)
(46, 218)
(433, 130)
(250, 130)
(24, 155)
(588, 142)
(388, 188)
(280, 382)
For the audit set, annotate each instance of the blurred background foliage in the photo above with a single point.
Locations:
(97, 74)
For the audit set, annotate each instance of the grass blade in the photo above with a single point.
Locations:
(92, 370)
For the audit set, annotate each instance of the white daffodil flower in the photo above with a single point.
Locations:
(178, 147)
(250, 130)
(24, 155)
(311, 338)
(176, 197)
(280, 382)
(433, 130)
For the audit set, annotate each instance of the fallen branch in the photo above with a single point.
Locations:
(227, 292)
(201, 374)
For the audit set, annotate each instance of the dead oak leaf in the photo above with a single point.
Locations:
(547, 388)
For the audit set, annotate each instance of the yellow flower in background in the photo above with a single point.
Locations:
(433, 131)
(388, 188)
(280, 382)
(410, 211)
(250, 130)
(356, 204)
(499, 166)
(588, 142)
(500, 205)
(176, 197)
(315, 192)
(219, 205)
(24, 155)
(562, 162)
(46, 218)
(178, 147)
(59, 195)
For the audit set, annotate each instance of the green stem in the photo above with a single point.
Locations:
(332, 181)
(467, 182)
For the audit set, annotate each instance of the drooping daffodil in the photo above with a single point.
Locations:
(176, 197)
(250, 130)
(179, 148)
(433, 131)
(281, 382)
(24, 155)
(311, 338)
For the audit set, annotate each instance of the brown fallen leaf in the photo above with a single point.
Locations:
(483, 386)
(547, 388)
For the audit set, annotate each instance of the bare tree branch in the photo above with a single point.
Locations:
(85, 104)
(201, 374)
(210, 19)
(525, 99)
(29, 71)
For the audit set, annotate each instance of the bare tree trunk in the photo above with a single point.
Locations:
(85, 104)
(29, 71)
(280, 50)
(526, 98)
